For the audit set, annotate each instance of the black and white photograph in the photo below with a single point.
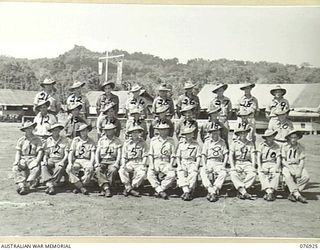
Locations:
(159, 120)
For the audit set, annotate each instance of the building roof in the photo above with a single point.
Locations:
(304, 96)
(16, 97)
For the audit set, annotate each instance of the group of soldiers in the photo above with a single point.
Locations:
(45, 154)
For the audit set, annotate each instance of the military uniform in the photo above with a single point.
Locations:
(103, 120)
(72, 124)
(243, 123)
(131, 122)
(136, 103)
(160, 102)
(82, 99)
(277, 105)
(105, 100)
(225, 104)
(282, 127)
(204, 130)
(54, 106)
(156, 122)
(185, 101)
(44, 122)
(183, 124)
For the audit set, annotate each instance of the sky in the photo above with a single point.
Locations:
(289, 35)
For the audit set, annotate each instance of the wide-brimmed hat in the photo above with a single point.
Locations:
(41, 103)
(48, 81)
(219, 86)
(57, 125)
(76, 85)
(135, 128)
(163, 87)
(135, 88)
(135, 111)
(278, 87)
(188, 85)
(74, 106)
(111, 83)
(214, 127)
(108, 107)
(28, 124)
(244, 112)
(214, 110)
(239, 130)
(162, 109)
(247, 85)
(84, 126)
(188, 130)
(269, 133)
(282, 112)
(297, 132)
(187, 108)
(109, 126)
(162, 126)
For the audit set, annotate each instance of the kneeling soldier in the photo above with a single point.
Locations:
(56, 151)
(81, 159)
(108, 158)
(134, 160)
(214, 160)
(26, 167)
(188, 160)
(269, 164)
(242, 161)
(161, 159)
(293, 161)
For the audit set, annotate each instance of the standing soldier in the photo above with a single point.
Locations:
(187, 121)
(282, 125)
(108, 157)
(188, 99)
(55, 158)
(74, 120)
(162, 116)
(243, 121)
(107, 97)
(26, 167)
(269, 164)
(107, 116)
(242, 161)
(136, 101)
(293, 162)
(81, 159)
(47, 94)
(163, 101)
(223, 102)
(188, 159)
(248, 104)
(161, 160)
(134, 160)
(136, 119)
(214, 161)
(43, 119)
(77, 97)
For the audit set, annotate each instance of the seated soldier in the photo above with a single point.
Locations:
(108, 156)
(293, 163)
(242, 161)
(243, 121)
(106, 116)
(213, 121)
(56, 149)
(187, 121)
(161, 160)
(162, 116)
(74, 120)
(133, 160)
(269, 164)
(214, 161)
(188, 159)
(135, 119)
(26, 167)
(282, 125)
(81, 159)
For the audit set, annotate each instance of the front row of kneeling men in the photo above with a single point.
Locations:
(134, 161)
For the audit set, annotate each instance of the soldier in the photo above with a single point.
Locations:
(136, 101)
(43, 120)
(162, 116)
(242, 161)
(136, 119)
(74, 120)
(248, 104)
(47, 94)
(55, 158)
(188, 159)
(134, 160)
(26, 167)
(278, 103)
(188, 99)
(187, 121)
(293, 162)
(107, 97)
(161, 160)
(81, 159)
(77, 97)
(214, 161)
(269, 164)
(108, 157)
(163, 101)
(282, 125)
(243, 121)
(106, 116)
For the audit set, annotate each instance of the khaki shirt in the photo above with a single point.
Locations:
(277, 105)
(161, 102)
(283, 128)
(82, 99)
(105, 100)
(134, 150)
(56, 149)
(109, 148)
(269, 153)
(162, 149)
(242, 150)
(247, 104)
(82, 148)
(215, 150)
(189, 150)
(293, 154)
(44, 96)
(29, 147)
(44, 122)
(224, 103)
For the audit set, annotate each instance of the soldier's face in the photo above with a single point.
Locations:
(110, 112)
(188, 114)
(270, 139)
(163, 132)
(189, 136)
(109, 132)
(136, 94)
(278, 93)
(215, 135)
(77, 91)
(162, 115)
(189, 91)
(293, 139)
(135, 134)
(28, 131)
(220, 91)
(247, 91)
(48, 88)
(214, 115)
(76, 112)
(43, 109)
(107, 89)
(84, 133)
(55, 132)
(162, 93)
(136, 116)
(243, 135)
(282, 117)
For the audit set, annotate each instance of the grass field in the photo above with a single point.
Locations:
(67, 214)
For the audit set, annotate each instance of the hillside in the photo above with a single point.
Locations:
(82, 64)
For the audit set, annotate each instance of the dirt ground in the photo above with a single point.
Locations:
(68, 214)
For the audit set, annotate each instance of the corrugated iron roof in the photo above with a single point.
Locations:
(299, 95)
(16, 97)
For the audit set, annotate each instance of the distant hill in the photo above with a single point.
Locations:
(82, 64)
